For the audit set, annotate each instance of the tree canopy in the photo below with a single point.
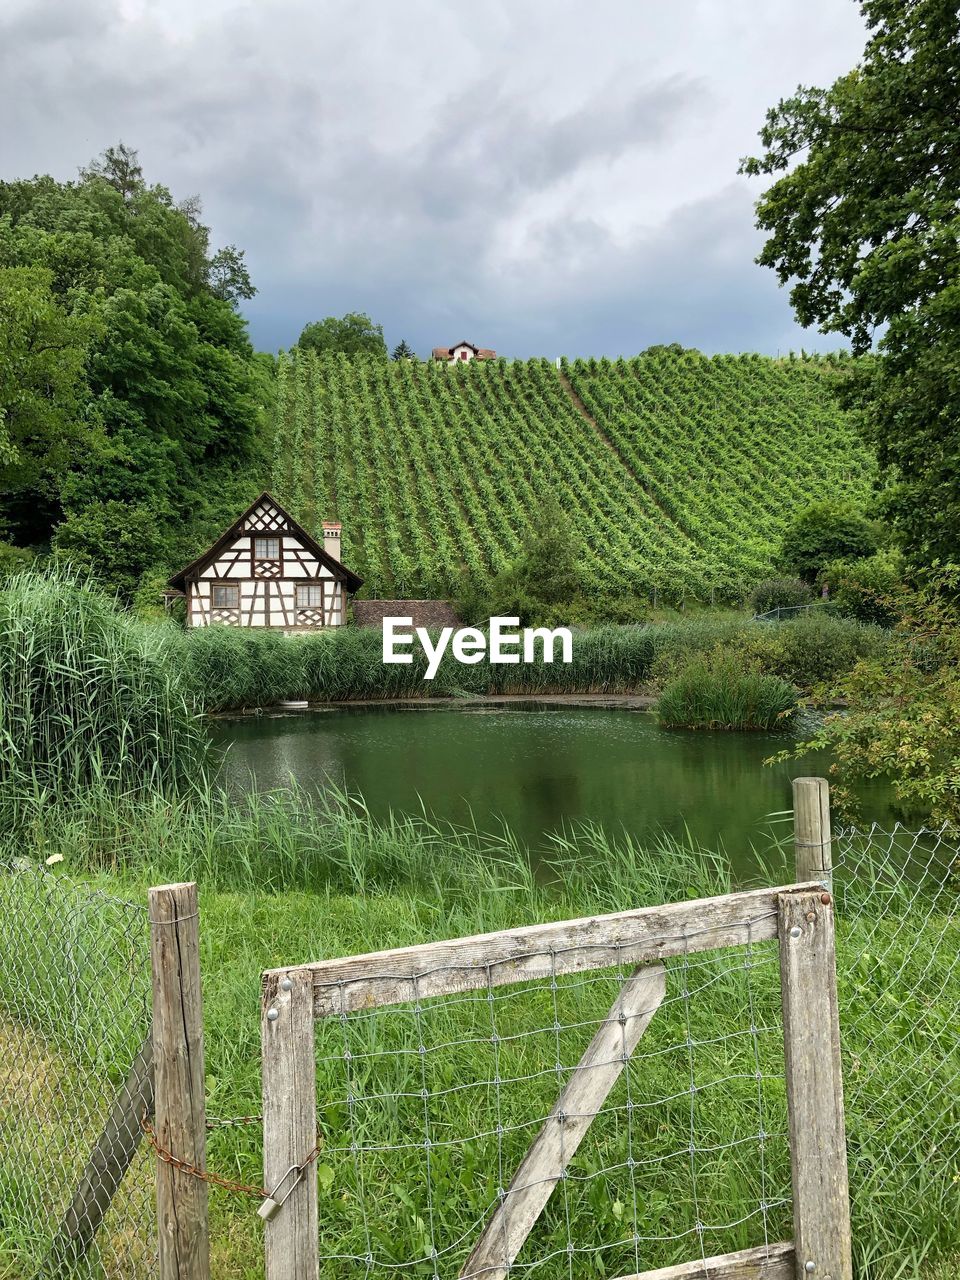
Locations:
(864, 224)
(825, 532)
(353, 334)
(127, 381)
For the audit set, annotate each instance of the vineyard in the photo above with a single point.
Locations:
(678, 471)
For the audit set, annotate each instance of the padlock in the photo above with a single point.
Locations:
(269, 1208)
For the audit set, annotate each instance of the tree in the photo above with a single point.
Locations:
(120, 167)
(42, 424)
(117, 541)
(544, 584)
(864, 225)
(352, 334)
(228, 277)
(823, 532)
(403, 351)
(125, 377)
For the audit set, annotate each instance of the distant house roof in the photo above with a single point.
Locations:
(340, 571)
(481, 353)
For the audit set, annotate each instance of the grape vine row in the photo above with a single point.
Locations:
(679, 486)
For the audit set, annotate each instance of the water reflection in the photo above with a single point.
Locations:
(539, 768)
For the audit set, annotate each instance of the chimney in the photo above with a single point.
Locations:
(331, 538)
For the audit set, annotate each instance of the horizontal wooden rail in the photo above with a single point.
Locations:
(766, 1262)
(641, 936)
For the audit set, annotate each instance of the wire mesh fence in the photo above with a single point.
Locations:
(899, 984)
(74, 1015)
(428, 1109)
(602, 1122)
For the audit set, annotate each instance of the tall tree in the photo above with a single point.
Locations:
(138, 388)
(120, 167)
(403, 351)
(228, 276)
(353, 334)
(42, 424)
(864, 224)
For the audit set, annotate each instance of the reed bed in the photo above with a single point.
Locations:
(233, 668)
(88, 695)
(720, 691)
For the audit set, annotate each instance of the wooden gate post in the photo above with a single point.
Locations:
(289, 1067)
(180, 1107)
(811, 831)
(811, 1035)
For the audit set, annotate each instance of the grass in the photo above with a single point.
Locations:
(720, 691)
(88, 695)
(410, 881)
(102, 782)
(230, 668)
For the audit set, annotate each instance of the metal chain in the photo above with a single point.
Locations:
(216, 1179)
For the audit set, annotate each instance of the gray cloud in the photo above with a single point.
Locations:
(546, 179)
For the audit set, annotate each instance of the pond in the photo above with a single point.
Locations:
(539, 767)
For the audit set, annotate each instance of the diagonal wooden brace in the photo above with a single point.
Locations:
(564, 1129)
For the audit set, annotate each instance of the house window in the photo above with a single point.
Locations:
(226, 597)
(266, 548)
(463, 355)
(309, 595)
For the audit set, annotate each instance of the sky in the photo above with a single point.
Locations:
(543, 177)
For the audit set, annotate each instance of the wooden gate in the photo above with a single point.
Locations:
(800, 917)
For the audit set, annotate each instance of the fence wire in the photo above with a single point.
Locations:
(428, 1109)
(74, 1013)
(898, 932)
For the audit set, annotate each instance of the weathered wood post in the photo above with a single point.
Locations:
(811, 831)
(811, 1037)
(289, 1067)
(180, 1107)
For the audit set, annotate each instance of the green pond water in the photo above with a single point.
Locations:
(543, 769)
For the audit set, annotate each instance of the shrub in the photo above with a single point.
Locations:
(815, 647)
(720, 691)
(780, 593)
(824, 532)
(869, 590)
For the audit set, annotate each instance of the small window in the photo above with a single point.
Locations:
(463, 355)
(226, 597)
(266, 548)
(309, 595)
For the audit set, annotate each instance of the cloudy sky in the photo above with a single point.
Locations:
(540, 176)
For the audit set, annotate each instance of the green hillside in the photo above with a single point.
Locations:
(678, 470)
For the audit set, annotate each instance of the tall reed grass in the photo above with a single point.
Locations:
(89, 697)
(721, 691)
(231, 668)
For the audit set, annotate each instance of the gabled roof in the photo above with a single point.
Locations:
(481, 353)
(236, 530)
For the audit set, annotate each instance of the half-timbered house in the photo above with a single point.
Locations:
(267, 571)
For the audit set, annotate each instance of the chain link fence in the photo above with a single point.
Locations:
(74, 1020)
(75, 1014)
(899, 988)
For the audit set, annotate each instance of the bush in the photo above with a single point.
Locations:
(815, 647)
(824, 532)
(721, 691)
(780, 593)
(869, 590)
